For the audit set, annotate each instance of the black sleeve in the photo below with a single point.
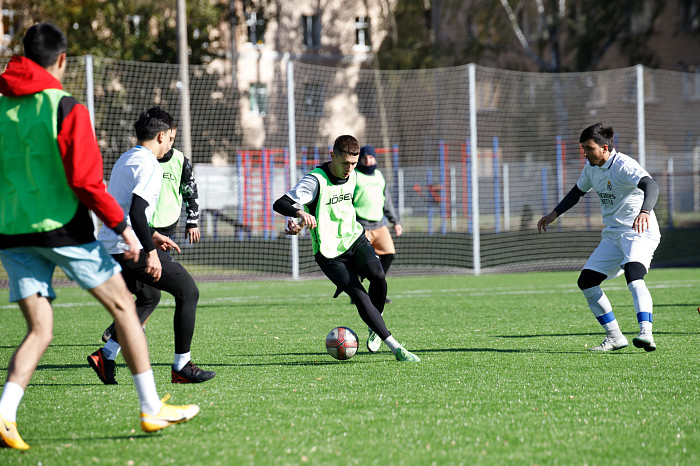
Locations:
(137, 214)
(569, 200)
(188, 188)
(651, 193)
(285, 206)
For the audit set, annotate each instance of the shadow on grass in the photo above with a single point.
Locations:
(583, 334)
(693, 306)
(48, 440)
(93, 345)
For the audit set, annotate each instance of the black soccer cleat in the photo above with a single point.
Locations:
(191, 374)
(103, 367)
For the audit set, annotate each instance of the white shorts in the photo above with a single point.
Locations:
(611, 255)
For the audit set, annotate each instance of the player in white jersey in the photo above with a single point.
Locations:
(627, 196)
(135, 183)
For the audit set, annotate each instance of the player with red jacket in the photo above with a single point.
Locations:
(50, 177)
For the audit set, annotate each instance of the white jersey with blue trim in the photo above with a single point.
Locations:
(620, 198)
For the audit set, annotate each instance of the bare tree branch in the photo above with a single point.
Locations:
(521, 37)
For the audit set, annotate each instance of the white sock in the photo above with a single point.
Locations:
(392, 344)
(9, 402)
(111, 349)
(602, 310)
(148, 395)
(643, 304)
(180, 360)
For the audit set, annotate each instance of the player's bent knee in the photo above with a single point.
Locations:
(590, 278)
(634, 271)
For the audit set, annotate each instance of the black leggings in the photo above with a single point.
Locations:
(175, 280)
(345, 271)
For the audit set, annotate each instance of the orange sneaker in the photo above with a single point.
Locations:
(168, 416)
(9, 437)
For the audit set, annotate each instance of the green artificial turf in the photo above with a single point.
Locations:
(506, 378)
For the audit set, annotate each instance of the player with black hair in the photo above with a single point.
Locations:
(135, 182)
(340, 247)
(627, 196)
(178, 187)
(51, 174)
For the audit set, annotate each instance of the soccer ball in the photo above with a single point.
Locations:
(341, 343)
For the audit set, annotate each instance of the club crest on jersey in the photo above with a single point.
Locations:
(609, 186)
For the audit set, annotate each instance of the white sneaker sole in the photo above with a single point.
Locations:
(646, 344)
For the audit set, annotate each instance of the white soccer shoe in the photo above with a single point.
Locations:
(373, 342)
(611, 344)
(644, 340)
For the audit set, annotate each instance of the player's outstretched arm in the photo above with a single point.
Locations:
(546, 220)
(570, 200)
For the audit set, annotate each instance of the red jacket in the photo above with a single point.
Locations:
(80, 153)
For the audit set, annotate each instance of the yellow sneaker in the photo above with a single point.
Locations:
(9, 437)
(168, 416)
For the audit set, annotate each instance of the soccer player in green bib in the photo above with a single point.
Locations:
(179, 187)
(340, 247)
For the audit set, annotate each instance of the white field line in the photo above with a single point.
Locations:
(406, 294)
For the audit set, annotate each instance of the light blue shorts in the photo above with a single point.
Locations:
(30, 268)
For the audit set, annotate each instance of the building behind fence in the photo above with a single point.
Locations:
(473, 156)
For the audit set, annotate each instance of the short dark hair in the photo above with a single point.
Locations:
(151, 122)
(43, 43)
(601, 135)
(346, 144)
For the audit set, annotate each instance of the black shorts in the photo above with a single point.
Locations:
(349, 265)
(174, 278)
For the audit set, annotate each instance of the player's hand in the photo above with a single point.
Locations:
(398, 229)
(153, 265)
(307, 220)
(641, 223)
(193, 235)
(546, 220)
(164, 243)
(133, 243)
(293, 228)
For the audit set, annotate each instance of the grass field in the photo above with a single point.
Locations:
(506, 378)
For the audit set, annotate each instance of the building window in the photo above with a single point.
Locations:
(487, 95)
(313, 100)
(650, 96)
(532, 23)
(8, 25)
(691, 85)
(256, 28)
(312, 31)
(642, 18)
(691, 15)
(257, 94)
(134, 24)
(597, 90)
(363, 38)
